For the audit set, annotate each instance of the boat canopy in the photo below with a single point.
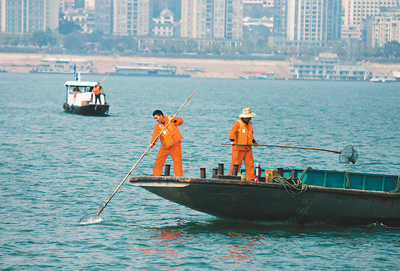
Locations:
(80, 83)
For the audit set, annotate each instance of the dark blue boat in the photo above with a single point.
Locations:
(290, 195)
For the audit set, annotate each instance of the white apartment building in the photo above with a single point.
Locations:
(264, 3)
(102, 10)
(164, 25)
(355, 13)
(28, 16)
(82, 17)
(264, 21)
(212, 19)
(386, 28)
(312, 22)
(66, 4)
(132, 17)
(90, 4)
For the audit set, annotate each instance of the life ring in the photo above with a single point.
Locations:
(98, 108)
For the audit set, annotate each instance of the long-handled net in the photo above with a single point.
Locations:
(347, 155)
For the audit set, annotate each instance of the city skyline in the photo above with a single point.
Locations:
(294, 23)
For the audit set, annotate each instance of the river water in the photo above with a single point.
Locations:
(56, 167)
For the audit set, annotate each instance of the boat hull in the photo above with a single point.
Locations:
(271, 202)
(88, 110)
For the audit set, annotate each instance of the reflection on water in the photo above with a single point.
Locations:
(243, 252)
(243, 245)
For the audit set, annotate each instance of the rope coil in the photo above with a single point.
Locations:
(397, 185)
(346, 172)
(293, 186)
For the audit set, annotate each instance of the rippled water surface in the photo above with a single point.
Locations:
(56, 167)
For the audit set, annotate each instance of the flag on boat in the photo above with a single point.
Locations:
(75, 73)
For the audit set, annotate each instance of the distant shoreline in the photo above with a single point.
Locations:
(213, 68)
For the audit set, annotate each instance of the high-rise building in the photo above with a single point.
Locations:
(356, 12)
(90, 4)
(312, 22)
(82, 17)
(264, 3)
(385, 27)
(132, 17)
(28, 16)
(66, 5)
(212, 19)
(103, 11)
(164, 25)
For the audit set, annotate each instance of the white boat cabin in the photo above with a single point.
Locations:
(80, 93)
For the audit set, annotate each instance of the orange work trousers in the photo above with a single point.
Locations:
(247, 156)
(176, 155)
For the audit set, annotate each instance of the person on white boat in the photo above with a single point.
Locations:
(97, 92)
(76, 89)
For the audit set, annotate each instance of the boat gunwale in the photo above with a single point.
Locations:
(313, 188)
(340, 172)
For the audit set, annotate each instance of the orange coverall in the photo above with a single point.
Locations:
(96, 90)
(242, 133)
(170, 145)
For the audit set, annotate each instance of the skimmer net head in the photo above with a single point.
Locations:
(348, 154)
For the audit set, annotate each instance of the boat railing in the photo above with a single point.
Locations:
(335, 179)
(347, 180)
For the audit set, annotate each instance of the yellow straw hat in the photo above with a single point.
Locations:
(247, 113)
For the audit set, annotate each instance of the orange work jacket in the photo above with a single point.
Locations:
(171, 134)
(96, 90)
(241, 133)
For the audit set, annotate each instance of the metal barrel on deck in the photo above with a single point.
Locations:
(235, 170)
(215, 173)
(202, 172)
(167, 170)
(280, 171)
(221, 169)
(293, 174)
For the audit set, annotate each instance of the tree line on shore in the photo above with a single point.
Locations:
(96, 43)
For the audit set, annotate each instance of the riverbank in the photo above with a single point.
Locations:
(211, 68)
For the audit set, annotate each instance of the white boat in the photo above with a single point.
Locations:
(383, 78)
(64, 65)
(148, 69)
(396, 75)
(80, 99)
(257, 75)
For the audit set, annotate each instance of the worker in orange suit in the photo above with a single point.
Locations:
(242, 133)
(97, 92)
(170, 143)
